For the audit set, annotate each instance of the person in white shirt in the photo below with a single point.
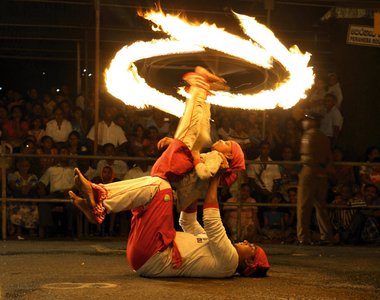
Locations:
(60, 179)
(59, 128)
(118, 166)
(332, 121)
(140, 168)
(155, 249)
(108, 131)
(264, 178)
(335, 89)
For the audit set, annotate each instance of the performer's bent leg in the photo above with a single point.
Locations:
(194, 127)
(134, 193)
(115, 197)
(190, 129)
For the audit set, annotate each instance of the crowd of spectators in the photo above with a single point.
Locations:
(56, 122)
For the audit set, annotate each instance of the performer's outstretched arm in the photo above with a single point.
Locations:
(188, 220)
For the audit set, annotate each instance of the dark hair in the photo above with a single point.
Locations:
(46, 137)
(37, 118)
(20, 108)
(370, 149)
(136, 126)
(370, 185)
(292, 189)
(107, 145)
(264, 143)
(260, 272)
(74, 132)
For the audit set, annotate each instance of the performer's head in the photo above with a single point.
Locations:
(252, 260)
(233, 152)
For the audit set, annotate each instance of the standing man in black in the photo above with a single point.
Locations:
(312, 187)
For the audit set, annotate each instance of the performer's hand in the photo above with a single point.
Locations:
(196, 154)
(164, 142)
(224, 164)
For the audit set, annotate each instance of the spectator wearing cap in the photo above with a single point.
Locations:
(312, 186)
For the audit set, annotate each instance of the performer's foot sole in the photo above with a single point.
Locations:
(83, 206)
(84, 186)
(216, 83)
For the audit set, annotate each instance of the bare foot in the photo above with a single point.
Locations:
(84, 186)
(216, 83)
(83, 206)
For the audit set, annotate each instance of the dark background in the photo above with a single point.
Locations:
(40, 37)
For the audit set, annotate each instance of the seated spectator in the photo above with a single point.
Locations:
(16, 128)
(107, 175)
(3, 115)
(74, 147)
(289, 172)
(332, 121)
(37, 128)
(55, 183)
(374, 176)
(150, 142)
(80, 124)
(225, 129)
(29, 147)
(108, 131)
(340, 175)
(372, 153)
(49, 105)
(263, 178)
(118, 166)
(254, 130)
(292, 134)
(136, 140)
(274, 228)
(139, 168)
(121, 120)
(365, 223)
(66, 108)
(47, 146)
(274, 134)
(341, 218)
(37, 111)
(15, 99)
(240, 136)
(59, 127)
(246, 225)
(23, 184)
(160, 120)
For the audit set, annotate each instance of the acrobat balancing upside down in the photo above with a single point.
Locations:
(154, 247)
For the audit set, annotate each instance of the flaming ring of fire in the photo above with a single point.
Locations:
(262, 47)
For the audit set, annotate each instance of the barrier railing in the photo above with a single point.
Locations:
(6, 160)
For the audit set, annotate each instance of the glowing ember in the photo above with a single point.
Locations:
(124, 82)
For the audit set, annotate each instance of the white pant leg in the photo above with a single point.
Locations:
(132, 193)
(194, 126)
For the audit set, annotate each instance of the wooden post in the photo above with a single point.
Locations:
(97, 73)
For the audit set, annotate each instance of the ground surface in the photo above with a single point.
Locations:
(97, 269)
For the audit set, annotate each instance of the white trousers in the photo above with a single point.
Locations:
(132, 193)
(194, 126)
